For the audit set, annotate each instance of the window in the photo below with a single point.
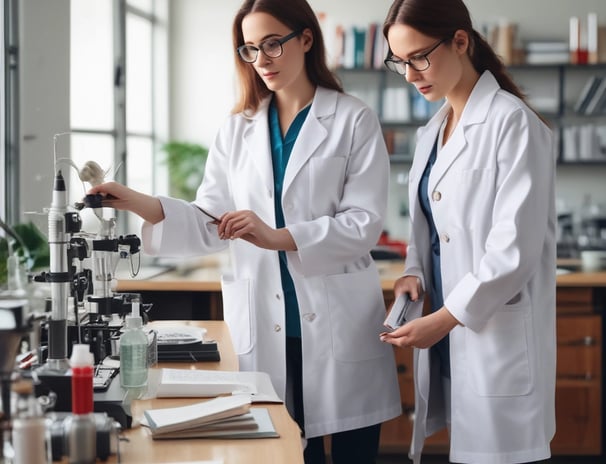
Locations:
(8, 112)
(118, 95)
(3, 193)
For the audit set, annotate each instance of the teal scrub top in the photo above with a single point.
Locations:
(436, 296)
(280, 154)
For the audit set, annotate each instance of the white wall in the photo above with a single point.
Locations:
(203, 80)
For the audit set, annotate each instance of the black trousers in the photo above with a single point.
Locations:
(359, 446)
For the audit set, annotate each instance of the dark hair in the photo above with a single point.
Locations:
(297, 15)
(441, 19)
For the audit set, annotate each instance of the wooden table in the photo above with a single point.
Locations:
(141, 449)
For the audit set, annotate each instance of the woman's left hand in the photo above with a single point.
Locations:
(245, 224)
(423, 332)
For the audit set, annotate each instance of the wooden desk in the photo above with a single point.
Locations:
(194, 295)
(141, 449)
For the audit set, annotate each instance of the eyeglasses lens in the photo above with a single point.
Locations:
(272, 48)
(248, 53)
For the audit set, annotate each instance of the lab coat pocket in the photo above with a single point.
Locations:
(498, 354)
(356, 311)
(237, 301)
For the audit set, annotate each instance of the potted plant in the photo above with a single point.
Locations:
(186, 163)
(24, 243)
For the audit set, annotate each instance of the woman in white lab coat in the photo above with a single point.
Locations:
(482, 245)
(304, 301)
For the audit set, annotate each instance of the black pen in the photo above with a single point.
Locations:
(215, 219)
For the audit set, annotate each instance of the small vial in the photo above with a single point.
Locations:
(81, 426)
(133, 352)
(31, 430)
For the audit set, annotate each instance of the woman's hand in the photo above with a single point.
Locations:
(423, 332)
(248, 226)
(408, 284)
(119, 196)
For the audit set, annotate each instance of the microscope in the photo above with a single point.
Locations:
(98, 313)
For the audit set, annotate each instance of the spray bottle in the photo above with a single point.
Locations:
(133, 351)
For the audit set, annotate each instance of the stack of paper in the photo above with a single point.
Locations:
(223, 417)
(209, 383)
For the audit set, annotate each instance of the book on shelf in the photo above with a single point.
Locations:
(369, 45)
(380, 49)
(547, 57)
(222, 417)
(198, 383)
(357, 47)
(396, 104)
(359, 34)
(597, 103)
(547, 46)
(587, 94)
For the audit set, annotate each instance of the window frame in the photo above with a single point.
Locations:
(158, 20)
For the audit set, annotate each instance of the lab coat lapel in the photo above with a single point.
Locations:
(312, 134)
(426, 138)
(475, 112)
(257, 144)
(447, 156)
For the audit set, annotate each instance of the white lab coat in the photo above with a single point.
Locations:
(493, 202)
(334, 200)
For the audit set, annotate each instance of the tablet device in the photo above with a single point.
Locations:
(396, 317)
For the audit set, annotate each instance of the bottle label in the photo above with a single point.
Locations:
(133, 365)
(82, 390)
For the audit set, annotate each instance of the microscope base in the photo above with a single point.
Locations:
(110, 401)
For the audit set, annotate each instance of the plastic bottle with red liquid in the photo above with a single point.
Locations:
(81, 429)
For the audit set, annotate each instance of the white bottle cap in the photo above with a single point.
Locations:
(135, 311)
(81, 356)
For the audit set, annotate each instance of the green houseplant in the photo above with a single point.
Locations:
(28, 243)
(186, 163)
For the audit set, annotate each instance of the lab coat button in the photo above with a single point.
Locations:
(437, 196)
(445, 238)
(277, 296)
(309, 317)
(277, 328)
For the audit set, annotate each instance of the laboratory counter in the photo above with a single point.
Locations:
(208, 278)
(581, 300)
(137, 446)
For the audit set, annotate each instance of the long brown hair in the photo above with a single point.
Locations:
(297, 15)
(441, 19)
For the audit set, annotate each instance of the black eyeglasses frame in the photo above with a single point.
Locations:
(281, 41)
(399, 66)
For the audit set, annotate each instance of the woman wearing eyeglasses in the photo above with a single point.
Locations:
(482, 245)
(297, 178)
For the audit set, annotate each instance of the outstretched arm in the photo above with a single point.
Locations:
(121, 197)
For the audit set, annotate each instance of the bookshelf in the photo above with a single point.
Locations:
(571, 98)
(555, 90)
